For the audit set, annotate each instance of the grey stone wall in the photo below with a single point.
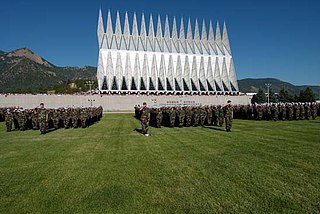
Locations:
(116, 102)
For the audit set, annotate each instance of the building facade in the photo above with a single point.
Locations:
(132, 60)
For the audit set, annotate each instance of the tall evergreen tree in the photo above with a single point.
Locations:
(284, 96)
(260, 97)
(307, 95)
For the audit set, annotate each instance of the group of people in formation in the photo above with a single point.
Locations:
(185, 116)
(277, 111)
(45, 119)
(218, 115)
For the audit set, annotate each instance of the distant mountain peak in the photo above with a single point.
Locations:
(252, 85)
(27, 53)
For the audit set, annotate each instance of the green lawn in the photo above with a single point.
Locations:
(260, 167)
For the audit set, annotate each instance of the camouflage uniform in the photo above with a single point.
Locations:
(283, 112)
(172, 116)
(209, 115)
(34, 119)
(84, 117)
(196, 116)
(188, 117)
(296, 111)
(9, 120)
(145, 111)
(290, 112)
(67, 118)
(22, 120)
(43, 121)
(56, 118)
(159, 118)
(215, 113)
(203, 115)
(313, 111)
(181, 116)
(228, 117)
(307, 111)
(302, 112)
(221, 116)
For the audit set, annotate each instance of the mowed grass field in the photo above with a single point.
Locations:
(260, 167)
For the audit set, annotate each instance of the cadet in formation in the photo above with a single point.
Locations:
(228, 109)
(216, 115)
(144, 118)
(277, 111)
(182, 116)
(43, 119)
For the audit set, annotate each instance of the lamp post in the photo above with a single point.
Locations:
(90, 83)
(268, 89)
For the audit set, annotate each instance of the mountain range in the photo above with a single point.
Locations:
(249, 85)
(22, 70)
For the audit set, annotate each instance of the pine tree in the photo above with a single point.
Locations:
(307, 95)
(260, 97)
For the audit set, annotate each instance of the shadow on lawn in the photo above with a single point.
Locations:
(138, 130)
(214, 128)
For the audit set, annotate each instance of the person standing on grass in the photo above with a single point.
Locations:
(145, 118)
(228, 115)
(9, 120)
(43, 119)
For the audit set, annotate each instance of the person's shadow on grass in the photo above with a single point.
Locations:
(138, 130)
(215, 128)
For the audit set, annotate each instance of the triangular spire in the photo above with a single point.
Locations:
(151, 32)
(143, 33)
(175, 41)
(186, 74)
(119, 71)
(100, 30)
(182, 37)
(204, 38)
(162, 73)
(145, 72)
(159, 34)
(224, 75)
(154, 73)
(197, 37)
(194, 71)
(114, 43)
(217, 76)
(109, 32)
(135, 34)
(210, 77)
(118, 32)
(202, 75)
(218, 39)
(225, 38)
(104, 44)
(211, 41)
(232, 75)
(178, 75)
(100, 72)
(170, 75)
(109, 71)
(137, 72)
(128, 71)
(126, 31)
(167, 34)
(189, 37)
(123, 45)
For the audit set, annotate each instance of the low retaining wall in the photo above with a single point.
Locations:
(116, 102)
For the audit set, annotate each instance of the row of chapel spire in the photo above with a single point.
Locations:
(170, 41)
